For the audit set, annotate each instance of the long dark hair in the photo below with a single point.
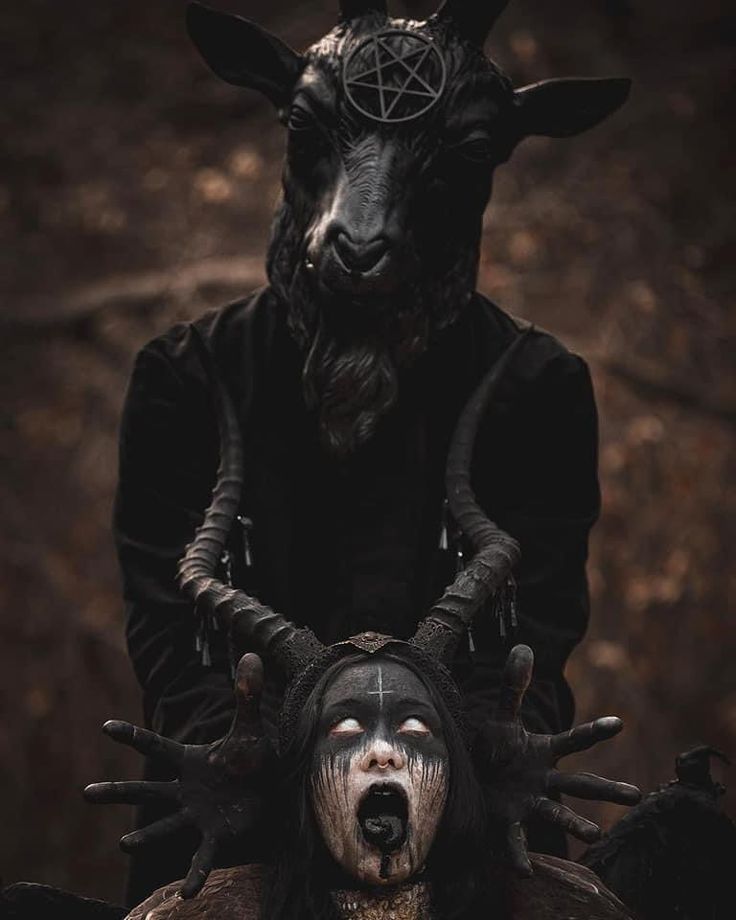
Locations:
(304, 872)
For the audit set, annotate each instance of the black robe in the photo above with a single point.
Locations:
(350, 545)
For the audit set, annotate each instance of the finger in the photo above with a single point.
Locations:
(597, 788)
(517, 674)
(517, 853)
(153, 832)
(585, 736)
(248, 689)
(131, 793)
(145, 742)
(200, 868)
(565, 817)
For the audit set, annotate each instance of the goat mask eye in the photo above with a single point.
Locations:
(380, 773)
(394, 76)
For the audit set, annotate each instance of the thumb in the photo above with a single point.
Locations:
(517, 675)
(248, 689)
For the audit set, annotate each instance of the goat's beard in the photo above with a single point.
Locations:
(352, 366)
(352, 380)
(351, 388)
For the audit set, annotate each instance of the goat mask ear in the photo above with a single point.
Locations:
(563, 108)
(244, 54)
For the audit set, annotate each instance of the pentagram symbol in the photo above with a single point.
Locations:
(394, 75)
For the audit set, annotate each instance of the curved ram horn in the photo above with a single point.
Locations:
(474, 19)
(253, 626)
(496, 553)
(349, 9)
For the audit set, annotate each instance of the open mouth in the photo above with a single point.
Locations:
(383, 815)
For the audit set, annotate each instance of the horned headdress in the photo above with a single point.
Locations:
(256, 627)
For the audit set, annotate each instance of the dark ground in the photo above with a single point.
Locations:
(136, 189)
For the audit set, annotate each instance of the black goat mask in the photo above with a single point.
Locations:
(395, 128)
(244, 54)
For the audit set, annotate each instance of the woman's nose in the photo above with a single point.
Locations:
(382, 755)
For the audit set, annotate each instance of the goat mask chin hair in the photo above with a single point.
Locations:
(380, 772)
(351, 375)
(354, 350)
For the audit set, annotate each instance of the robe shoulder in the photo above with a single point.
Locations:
(252, 317)
(544, 356)
(561, 889)
(228, 894)
(239, 335)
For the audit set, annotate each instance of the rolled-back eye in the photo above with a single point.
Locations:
(414, 726)
(348, 726)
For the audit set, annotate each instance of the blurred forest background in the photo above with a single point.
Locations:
(136, 190)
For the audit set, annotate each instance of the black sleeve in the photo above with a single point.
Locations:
(544, 483)
(167, 469)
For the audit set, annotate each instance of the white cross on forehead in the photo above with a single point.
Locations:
(379, 692)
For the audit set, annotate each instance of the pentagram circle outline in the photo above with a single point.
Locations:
(432, 93)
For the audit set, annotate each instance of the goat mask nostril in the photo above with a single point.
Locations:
(360, 256)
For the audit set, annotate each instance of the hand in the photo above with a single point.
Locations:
(518, 769)
(221, 786)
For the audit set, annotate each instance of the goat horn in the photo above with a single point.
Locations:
(351, 8)
(496, 553)
(253, 625)
(474, 19)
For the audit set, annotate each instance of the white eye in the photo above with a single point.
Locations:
(414, 726)
(347, 726)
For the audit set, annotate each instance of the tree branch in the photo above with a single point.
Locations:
(136, 291)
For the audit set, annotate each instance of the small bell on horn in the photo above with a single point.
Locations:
(444, 537)
(247, 524)
(504, 608)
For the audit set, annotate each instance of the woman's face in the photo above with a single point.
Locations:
(380, 773)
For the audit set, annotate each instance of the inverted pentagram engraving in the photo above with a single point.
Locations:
(395, 75)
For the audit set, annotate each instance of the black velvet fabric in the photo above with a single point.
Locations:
(350, 545)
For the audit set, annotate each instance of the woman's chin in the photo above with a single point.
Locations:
(375, 872)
